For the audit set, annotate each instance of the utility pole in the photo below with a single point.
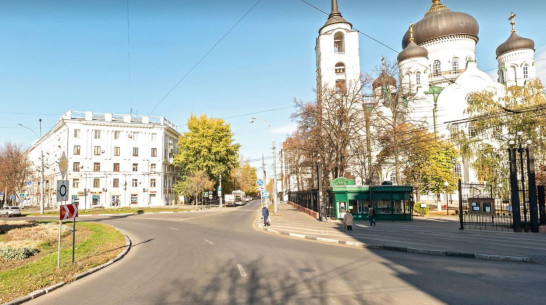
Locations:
(274, 178)
(42, 173)
(220, 190)
(265, 180)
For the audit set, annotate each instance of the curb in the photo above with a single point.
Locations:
(507, 258)
(37, 293)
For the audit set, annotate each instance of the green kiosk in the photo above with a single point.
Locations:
(391, 202)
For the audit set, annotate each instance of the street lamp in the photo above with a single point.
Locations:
(42, 165)
(435, 91)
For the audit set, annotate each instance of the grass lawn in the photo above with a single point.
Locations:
(96, 244)
(122, 210)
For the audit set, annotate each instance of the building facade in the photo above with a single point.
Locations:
(112, 160)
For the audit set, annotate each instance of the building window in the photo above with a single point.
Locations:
(436, 68)
(96, 182)
(515, 74)
(96, 167)
(135, 136)
(135, 151)
(96, 150)
(76, 166)
(154, 137)
(116, 167)
(340, 86)
(115, 183)
(76, 183)
(339, 44)
(97, 134)
(76, 149)
(152, 167)
(135, 167)
(418, 78)
(501, 76)
(134, 183)
(455, 65)
(134, 198)
(116, 135)
(76, 133)
(340, 68)
(154, 152)
(152, 182)
(458, 170)
(525, 72)
(471, 130)
(116, 151)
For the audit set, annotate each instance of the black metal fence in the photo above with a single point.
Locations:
(306, 199)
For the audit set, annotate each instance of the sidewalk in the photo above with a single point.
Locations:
(431, 236)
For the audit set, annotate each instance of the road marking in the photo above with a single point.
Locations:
(241, 270)
(210, 242)
(174, 229)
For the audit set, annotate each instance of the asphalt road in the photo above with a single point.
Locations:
(217, 257)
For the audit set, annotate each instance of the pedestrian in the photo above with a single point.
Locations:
(348, 221)
(265, 214)
(371, 215)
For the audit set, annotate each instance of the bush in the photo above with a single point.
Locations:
(10, 253)
(419, 210)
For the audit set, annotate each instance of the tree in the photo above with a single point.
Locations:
(245, 178)
(207, 146)
(494, 120)
(14, 169)
(195, 184)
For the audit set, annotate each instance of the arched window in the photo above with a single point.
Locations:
(501, 76)
(418, 78)
(340, 68)
(339, 43)
(455, 65)
(525, 72)
(458, 170)
(436, 68)
(515, 73)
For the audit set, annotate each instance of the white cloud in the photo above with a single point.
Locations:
(285, 129)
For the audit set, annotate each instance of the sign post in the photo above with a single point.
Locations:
(67, 211)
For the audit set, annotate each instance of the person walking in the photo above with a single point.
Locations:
(265, 214)
(371, 215)
(348, 221)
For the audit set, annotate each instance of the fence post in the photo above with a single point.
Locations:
(532, 188)
(541, 203)
(514, 188)
(460, 206)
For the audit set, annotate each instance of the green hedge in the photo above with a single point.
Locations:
(419, 210)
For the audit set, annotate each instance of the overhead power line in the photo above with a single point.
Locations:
(204, 56)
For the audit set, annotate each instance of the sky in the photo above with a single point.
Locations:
(235, 60)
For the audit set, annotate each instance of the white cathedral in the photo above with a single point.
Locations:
(437, 64)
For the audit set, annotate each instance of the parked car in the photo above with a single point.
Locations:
(10, 211)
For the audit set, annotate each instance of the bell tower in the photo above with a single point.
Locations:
(337, 52)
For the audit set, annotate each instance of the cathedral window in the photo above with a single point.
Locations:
(340, 68)
(501, 76)
(525, 72)
(458, 170)
(514, 71)
(340, 85)
(418, 78)
(455, 65)
(339, 43)
(436, 68)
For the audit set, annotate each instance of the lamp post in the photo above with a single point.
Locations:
(41, 165)
(254, 119)
(435, 92)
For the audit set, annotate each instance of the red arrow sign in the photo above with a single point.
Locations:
(69, 211)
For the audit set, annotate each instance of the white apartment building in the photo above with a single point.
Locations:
(113, 160)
